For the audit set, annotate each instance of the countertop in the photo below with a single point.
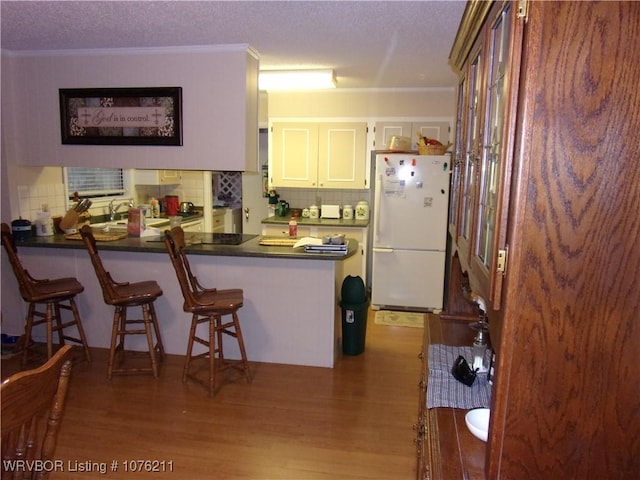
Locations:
(250, 248)
(317, 222)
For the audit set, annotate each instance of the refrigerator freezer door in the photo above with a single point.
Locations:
(407, 279)
(411, 201)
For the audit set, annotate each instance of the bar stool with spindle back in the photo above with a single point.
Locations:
(123, 295)
(207, 305)
(48, 292)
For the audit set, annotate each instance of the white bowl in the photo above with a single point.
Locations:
(478, 422)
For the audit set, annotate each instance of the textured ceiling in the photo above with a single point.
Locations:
(369, 44)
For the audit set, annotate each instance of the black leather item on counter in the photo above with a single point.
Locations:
(462, 372)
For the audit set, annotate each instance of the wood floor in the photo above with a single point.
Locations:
(351, 422)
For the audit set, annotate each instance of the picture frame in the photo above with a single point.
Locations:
(121, 116)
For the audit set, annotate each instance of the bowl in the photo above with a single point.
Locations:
(478, 422)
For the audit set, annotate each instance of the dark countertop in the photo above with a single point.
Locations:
(251, 248)
(317, 222)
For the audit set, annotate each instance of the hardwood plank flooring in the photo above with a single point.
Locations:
(350, 422)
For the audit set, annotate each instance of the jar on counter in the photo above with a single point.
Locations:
(362, 210)
(347, 212)
(314, 211)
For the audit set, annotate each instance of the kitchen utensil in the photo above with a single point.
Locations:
(187, 207)
(283, 208)
(173, 205)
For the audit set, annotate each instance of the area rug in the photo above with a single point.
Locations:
(399, 319)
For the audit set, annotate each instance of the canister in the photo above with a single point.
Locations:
(21, 229)
(362, 210)
(314, 211)
(347, 212)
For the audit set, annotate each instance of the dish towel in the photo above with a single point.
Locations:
(443, 390)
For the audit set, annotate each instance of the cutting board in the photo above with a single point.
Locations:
(99, 236)
(278, 241)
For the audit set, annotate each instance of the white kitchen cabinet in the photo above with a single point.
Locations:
(194, 226)
(157, 177)
(385, 130)
(217, 220)
(233, 220)
(319, 155)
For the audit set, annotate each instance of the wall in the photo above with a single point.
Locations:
(219, 93)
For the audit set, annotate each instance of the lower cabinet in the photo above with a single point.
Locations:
(195, 226)
(354, 266)
(446, 449)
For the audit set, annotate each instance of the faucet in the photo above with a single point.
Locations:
(113, 210)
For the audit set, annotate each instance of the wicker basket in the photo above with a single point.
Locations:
(432, 149)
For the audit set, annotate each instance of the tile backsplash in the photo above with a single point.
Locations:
(302, 197)
(34, 198)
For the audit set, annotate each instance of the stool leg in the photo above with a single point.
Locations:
(214, 321)
(243, 352)
(146, 318)
(27, 333)
(83, 338)
(114, 337)
(50, 329)
(59, 328)
(156, 326)
(192, 334)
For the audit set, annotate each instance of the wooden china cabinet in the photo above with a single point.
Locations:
(545, 227)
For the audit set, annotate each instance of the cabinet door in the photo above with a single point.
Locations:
(456, 174)
(294, 155)
(490, 235)
(341, 155)
(385, 130)
(436, 130)
(157, 177)
(471, 156)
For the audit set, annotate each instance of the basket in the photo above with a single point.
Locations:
(432, 149)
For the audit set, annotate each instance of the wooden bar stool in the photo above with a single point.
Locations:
(208, 305)
(50, 293)
(123, 295)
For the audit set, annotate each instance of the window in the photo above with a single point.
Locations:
(94, 182)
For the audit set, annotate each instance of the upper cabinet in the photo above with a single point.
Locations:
(157, 177)
(486, 109)
(385, 130)
(319, 155)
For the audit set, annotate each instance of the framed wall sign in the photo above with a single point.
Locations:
(121, 116)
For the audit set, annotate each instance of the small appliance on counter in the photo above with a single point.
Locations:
(21, 229)
(330, 211)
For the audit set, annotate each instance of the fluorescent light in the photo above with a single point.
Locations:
(296, 79)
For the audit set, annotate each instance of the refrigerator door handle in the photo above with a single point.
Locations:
(382, 250)
(377, 205)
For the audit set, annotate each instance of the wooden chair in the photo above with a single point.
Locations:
(208, 305)
(123, 295)
(27, 396)
(49, 293)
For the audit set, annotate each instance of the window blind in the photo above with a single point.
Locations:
(94, 182)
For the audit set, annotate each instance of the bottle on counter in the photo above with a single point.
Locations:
(293, 228)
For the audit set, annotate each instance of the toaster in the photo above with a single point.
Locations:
(330, 211)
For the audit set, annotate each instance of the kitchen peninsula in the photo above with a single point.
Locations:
(290, 313)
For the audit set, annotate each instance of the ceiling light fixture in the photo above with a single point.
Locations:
(296, 79)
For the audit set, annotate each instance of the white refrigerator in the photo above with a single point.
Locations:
(411, 203)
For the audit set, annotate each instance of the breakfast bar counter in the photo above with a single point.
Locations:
(291, 310)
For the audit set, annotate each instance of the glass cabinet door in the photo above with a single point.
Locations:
(456, 174)
(493, 158)
(472, 151)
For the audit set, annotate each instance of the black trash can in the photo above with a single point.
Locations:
(355, 306)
